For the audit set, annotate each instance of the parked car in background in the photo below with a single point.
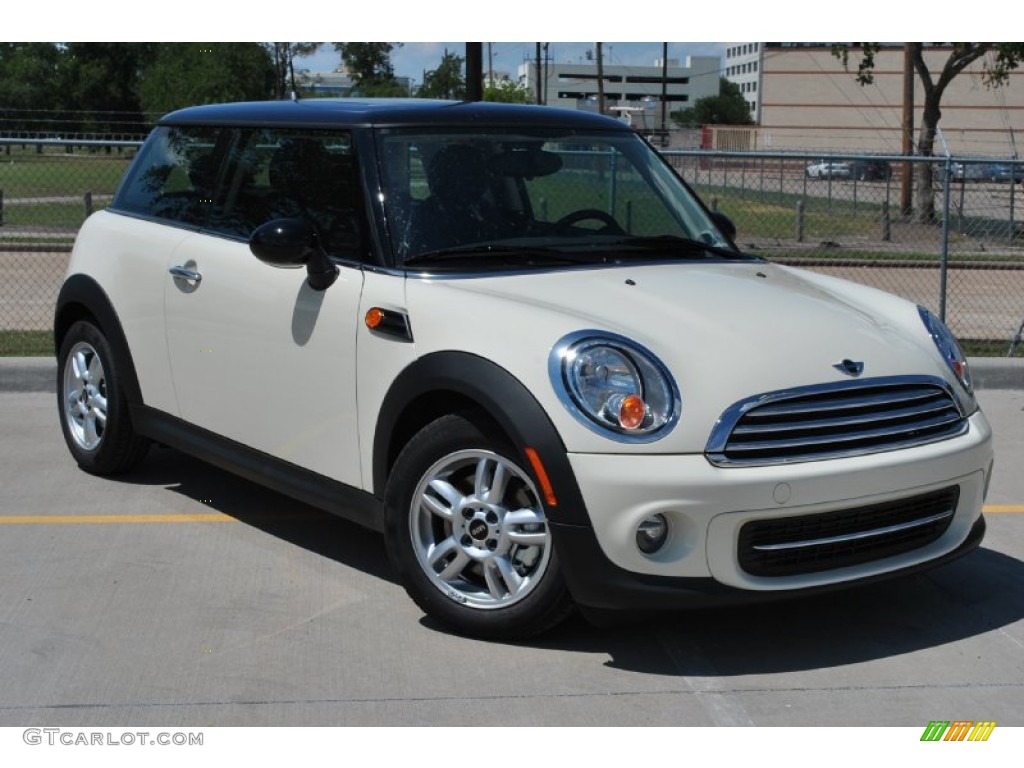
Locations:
(511, 339)
(960, 171)
(1005, 172)
(824, 169)
(870, 170)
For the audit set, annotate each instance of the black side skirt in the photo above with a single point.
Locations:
(329, 495)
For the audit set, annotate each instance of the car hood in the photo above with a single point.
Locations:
(726, 330)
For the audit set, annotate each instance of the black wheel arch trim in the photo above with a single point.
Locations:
(82, 290)
(503, 398)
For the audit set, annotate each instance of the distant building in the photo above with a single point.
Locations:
(803, 98)
(636, 90)
(336, 83)
(743, 67)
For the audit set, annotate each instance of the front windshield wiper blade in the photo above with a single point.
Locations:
(525, 255)
(676, 245)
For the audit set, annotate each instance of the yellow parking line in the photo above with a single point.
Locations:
(198, 517)
(218, 517)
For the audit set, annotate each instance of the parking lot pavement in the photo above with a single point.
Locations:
(180, 595)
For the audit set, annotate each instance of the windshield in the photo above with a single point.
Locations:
(518, 195)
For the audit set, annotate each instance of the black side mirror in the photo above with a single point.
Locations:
(725, 225)
(292, 243)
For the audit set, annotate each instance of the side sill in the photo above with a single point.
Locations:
(309, 487)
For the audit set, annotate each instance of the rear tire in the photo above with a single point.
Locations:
(93, 411)
(468, 534)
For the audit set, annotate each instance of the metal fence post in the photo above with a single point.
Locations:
(800, 221)
(886, 222)
(1013, 185)
(944, 263)
(87, 199)
(1, 207)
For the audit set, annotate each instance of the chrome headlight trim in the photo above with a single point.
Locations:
(650, 379)
(949, 348)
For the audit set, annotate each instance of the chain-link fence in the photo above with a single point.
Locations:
(839, 215)
(47, 189)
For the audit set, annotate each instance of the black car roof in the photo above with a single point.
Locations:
(387, 112)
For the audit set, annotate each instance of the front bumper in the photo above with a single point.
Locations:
(707, 506)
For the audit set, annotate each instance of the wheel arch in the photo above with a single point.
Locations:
(458, 382)
(82, 298)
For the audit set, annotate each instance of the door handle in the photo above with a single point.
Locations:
(186, 274)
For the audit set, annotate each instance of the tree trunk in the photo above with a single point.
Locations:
(926, 147)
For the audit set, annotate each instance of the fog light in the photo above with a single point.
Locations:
(652, 534)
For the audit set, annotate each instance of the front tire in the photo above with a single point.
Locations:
(93, 410)
(468, 533)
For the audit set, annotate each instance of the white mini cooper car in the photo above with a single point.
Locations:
(514, 341)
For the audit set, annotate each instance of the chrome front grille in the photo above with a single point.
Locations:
(834, 420)
(789, 546)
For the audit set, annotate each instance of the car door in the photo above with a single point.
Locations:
(257, 355)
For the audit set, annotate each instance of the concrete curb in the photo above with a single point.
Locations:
(39, 374)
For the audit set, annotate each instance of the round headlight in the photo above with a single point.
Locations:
(614, 386)
(948, 348)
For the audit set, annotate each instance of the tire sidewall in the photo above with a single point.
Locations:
(118, 448)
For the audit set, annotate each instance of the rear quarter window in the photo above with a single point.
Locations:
(174, 177)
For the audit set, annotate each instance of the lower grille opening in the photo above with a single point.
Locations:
(813, 543)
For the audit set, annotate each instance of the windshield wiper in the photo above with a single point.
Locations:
(675, 245)
(513, 255)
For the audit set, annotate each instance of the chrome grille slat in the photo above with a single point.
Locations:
(849, 537)
(844, 421)
(834, 420)
(789, 546)
(786, 409)
(834, 438)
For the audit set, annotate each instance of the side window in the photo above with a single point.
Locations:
(291, 173)
(176, 176)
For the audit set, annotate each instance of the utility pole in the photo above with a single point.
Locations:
(474, 72)
(600, 80)
(907, 179)
(547, 60)
(664, 92)
(490, 64)
(540, 84)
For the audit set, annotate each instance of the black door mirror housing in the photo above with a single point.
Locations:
(292, 243)
(725, 225)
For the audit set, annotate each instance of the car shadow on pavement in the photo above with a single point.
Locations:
(269, 511)
(971, 596)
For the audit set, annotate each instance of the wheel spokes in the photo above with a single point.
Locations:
(479, 529)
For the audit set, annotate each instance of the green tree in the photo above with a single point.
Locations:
(102, 81)
(445, 82)
(508, 91)
(1001, 59)
(727, 108)
(206, 73)
(282, 56)
(30, 87)
(369, 66)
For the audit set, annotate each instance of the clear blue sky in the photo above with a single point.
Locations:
(412, 59)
